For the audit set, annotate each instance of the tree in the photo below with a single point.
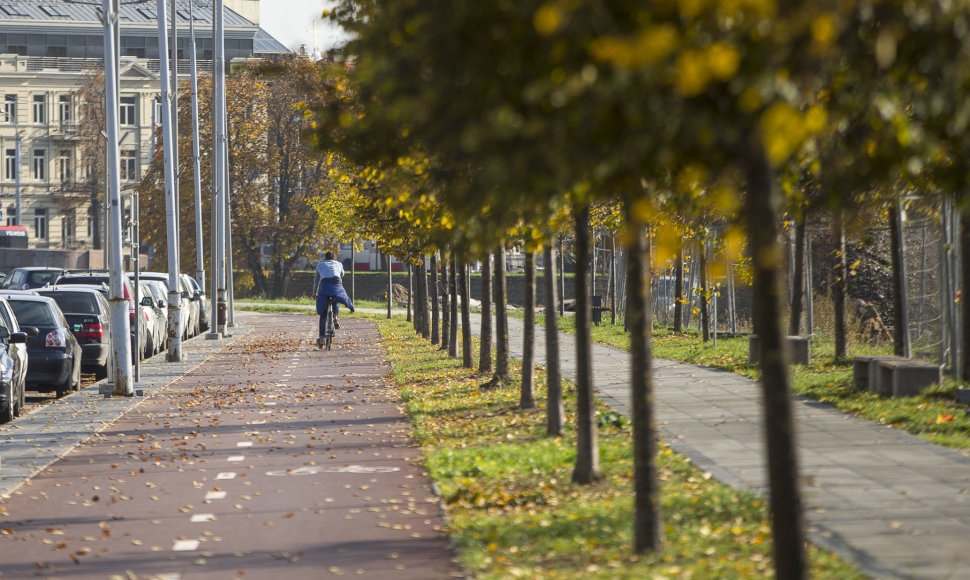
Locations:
(485, 335)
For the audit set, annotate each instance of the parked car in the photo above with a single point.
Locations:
(18, 352)
(12, 385)
(159, 291)
(185, 312)
(157, 320)
(198, 295)
(87, 312)
(102, 277)
(54, 355)
(30, 277)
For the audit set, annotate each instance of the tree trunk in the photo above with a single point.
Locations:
(587, 447)
(761, 209)
(453, 288)
(485, 339)
(679, 290)
(562, 278)
(705, 309)
(901, 326)
(798, 280)
(466, 318)
(445, 303)
(435, 322)
(964, 329)
(501, 320)
(840, 283)
(554, 406)
(410, 293)
(527, 398)
(390, 286)
(421, 309)
(647, 515)
(613, 290)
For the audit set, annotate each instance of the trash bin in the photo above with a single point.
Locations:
(597, 309)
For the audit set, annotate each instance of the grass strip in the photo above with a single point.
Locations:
(514, 513)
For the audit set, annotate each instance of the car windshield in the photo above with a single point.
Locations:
(75, 302)
(32, 313)
(37, 279)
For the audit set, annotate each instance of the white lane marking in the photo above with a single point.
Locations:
(185, 546)
(169, 576)
(269, 403)
(314, 469)
(244, 444)
(236, 458)
(257, 422)
(196, 518)
(215, 495)
(226, 475)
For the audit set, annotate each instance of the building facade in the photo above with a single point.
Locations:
(50, 53)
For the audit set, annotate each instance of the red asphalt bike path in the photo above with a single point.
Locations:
(270, 458)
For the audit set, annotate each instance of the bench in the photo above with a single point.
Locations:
(905, 377)
(798, 349)
(864, 375)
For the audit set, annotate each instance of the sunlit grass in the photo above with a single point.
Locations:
(513, 512)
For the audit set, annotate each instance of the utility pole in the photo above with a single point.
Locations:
(218, 296)
(120, 324)
(171, 207)
(199, 256)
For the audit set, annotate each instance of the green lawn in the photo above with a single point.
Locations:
(513, 512)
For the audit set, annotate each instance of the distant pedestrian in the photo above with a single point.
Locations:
(328, 283)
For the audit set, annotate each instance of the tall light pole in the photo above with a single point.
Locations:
(120, 325)
(199, 259)
(218, 295)
(168, 147)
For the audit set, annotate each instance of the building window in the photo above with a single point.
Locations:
(157, 119)
(10, 164)
(40, 224)
(40, 108)
(10, 108)
(64, 108)
(40, 164)
(64, 165)
(127, 111)
(67, 229)
(128, 165)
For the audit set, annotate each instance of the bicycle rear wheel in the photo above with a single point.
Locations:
(329, 333)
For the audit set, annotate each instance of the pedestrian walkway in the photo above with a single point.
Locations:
(259, 457)
(895, 505)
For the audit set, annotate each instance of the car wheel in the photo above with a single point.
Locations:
(101, 372)
(21, 401)
(64, 388)
(6, 414)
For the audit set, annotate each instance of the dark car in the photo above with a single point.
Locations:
(102, 277)
(88, 316)
(12, 385)
(30, 277)
(54, 355)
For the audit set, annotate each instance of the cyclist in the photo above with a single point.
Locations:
(327, 283)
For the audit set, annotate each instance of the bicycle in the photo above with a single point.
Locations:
(328, 327)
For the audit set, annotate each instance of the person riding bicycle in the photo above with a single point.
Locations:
(327, 283)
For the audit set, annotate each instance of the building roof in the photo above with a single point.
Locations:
(265, 43)
(47, 11)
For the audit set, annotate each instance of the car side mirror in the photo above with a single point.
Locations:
(147, 301)
(30, 330)
(18, 338)
(4, 332)
(162, 303)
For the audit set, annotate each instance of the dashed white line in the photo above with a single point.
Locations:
(185, 546)
(236, 458)
(244, 444)
(226, 475)
(197, 518)
(215, 495)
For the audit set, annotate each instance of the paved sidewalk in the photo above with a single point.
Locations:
(896, 506)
